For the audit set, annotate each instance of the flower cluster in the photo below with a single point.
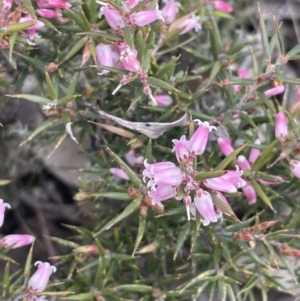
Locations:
(166, 180)
(12, 13)
(120, 54)
(39, 280)
(246, 164)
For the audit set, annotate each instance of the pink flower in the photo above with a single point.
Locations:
(133, 160)
(6, 6)
(48, 13)
(161, 193)
(146, 17)
(170, 10)
(181, 149)
(166, 177)
(163, 100)
(129, 5)
(250, 193)
(220, 184)
(31, 31)
(254, 153)
(235, 178)
(151, 169)
(106, 56)
(16, 240)
(119, 173)
(223, 6)
(243, 162)
(129, 60)
(225, 146)
(205, 206)
(281, 127)
(198, 141)
(295, 167)
(275, 91)
(53, 4)
(2, 210)
(189, 24)
(39, 280)
(113, 17)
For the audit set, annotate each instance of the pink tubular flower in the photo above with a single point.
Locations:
(243, 163)
(129, 60)
(167, 177)
(31, 31)
(161, 193)
(163, 100)
(220, 184)
(189, 24)
(146, 17)
(198, 141)
(281, 127)
(16, 240)
(39, 280)
(133, 160)
(2, 210)
(250, 193)
(225, 146)
(254, 153)
(106, 56)
(118, 172)
(181, 149)
(6, 6)
(151, 169)
(275, 91)
(223, 6)
(112, 16)
(205, 206)
(295, 167)
(170, 10)
(53, 4)
(48, 13)
(235, 178)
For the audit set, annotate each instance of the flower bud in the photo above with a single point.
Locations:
(15, 241)
(275, 91)
(281, 127)
(119, 173)
(254, 153)
(286, 250)
(53, 4)
(250, 193)
(39, 280)
(243, 163)
(223, 6)
(163, 100)
(225, 146)
(48, 13)
(90, 249)
(146, 17)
